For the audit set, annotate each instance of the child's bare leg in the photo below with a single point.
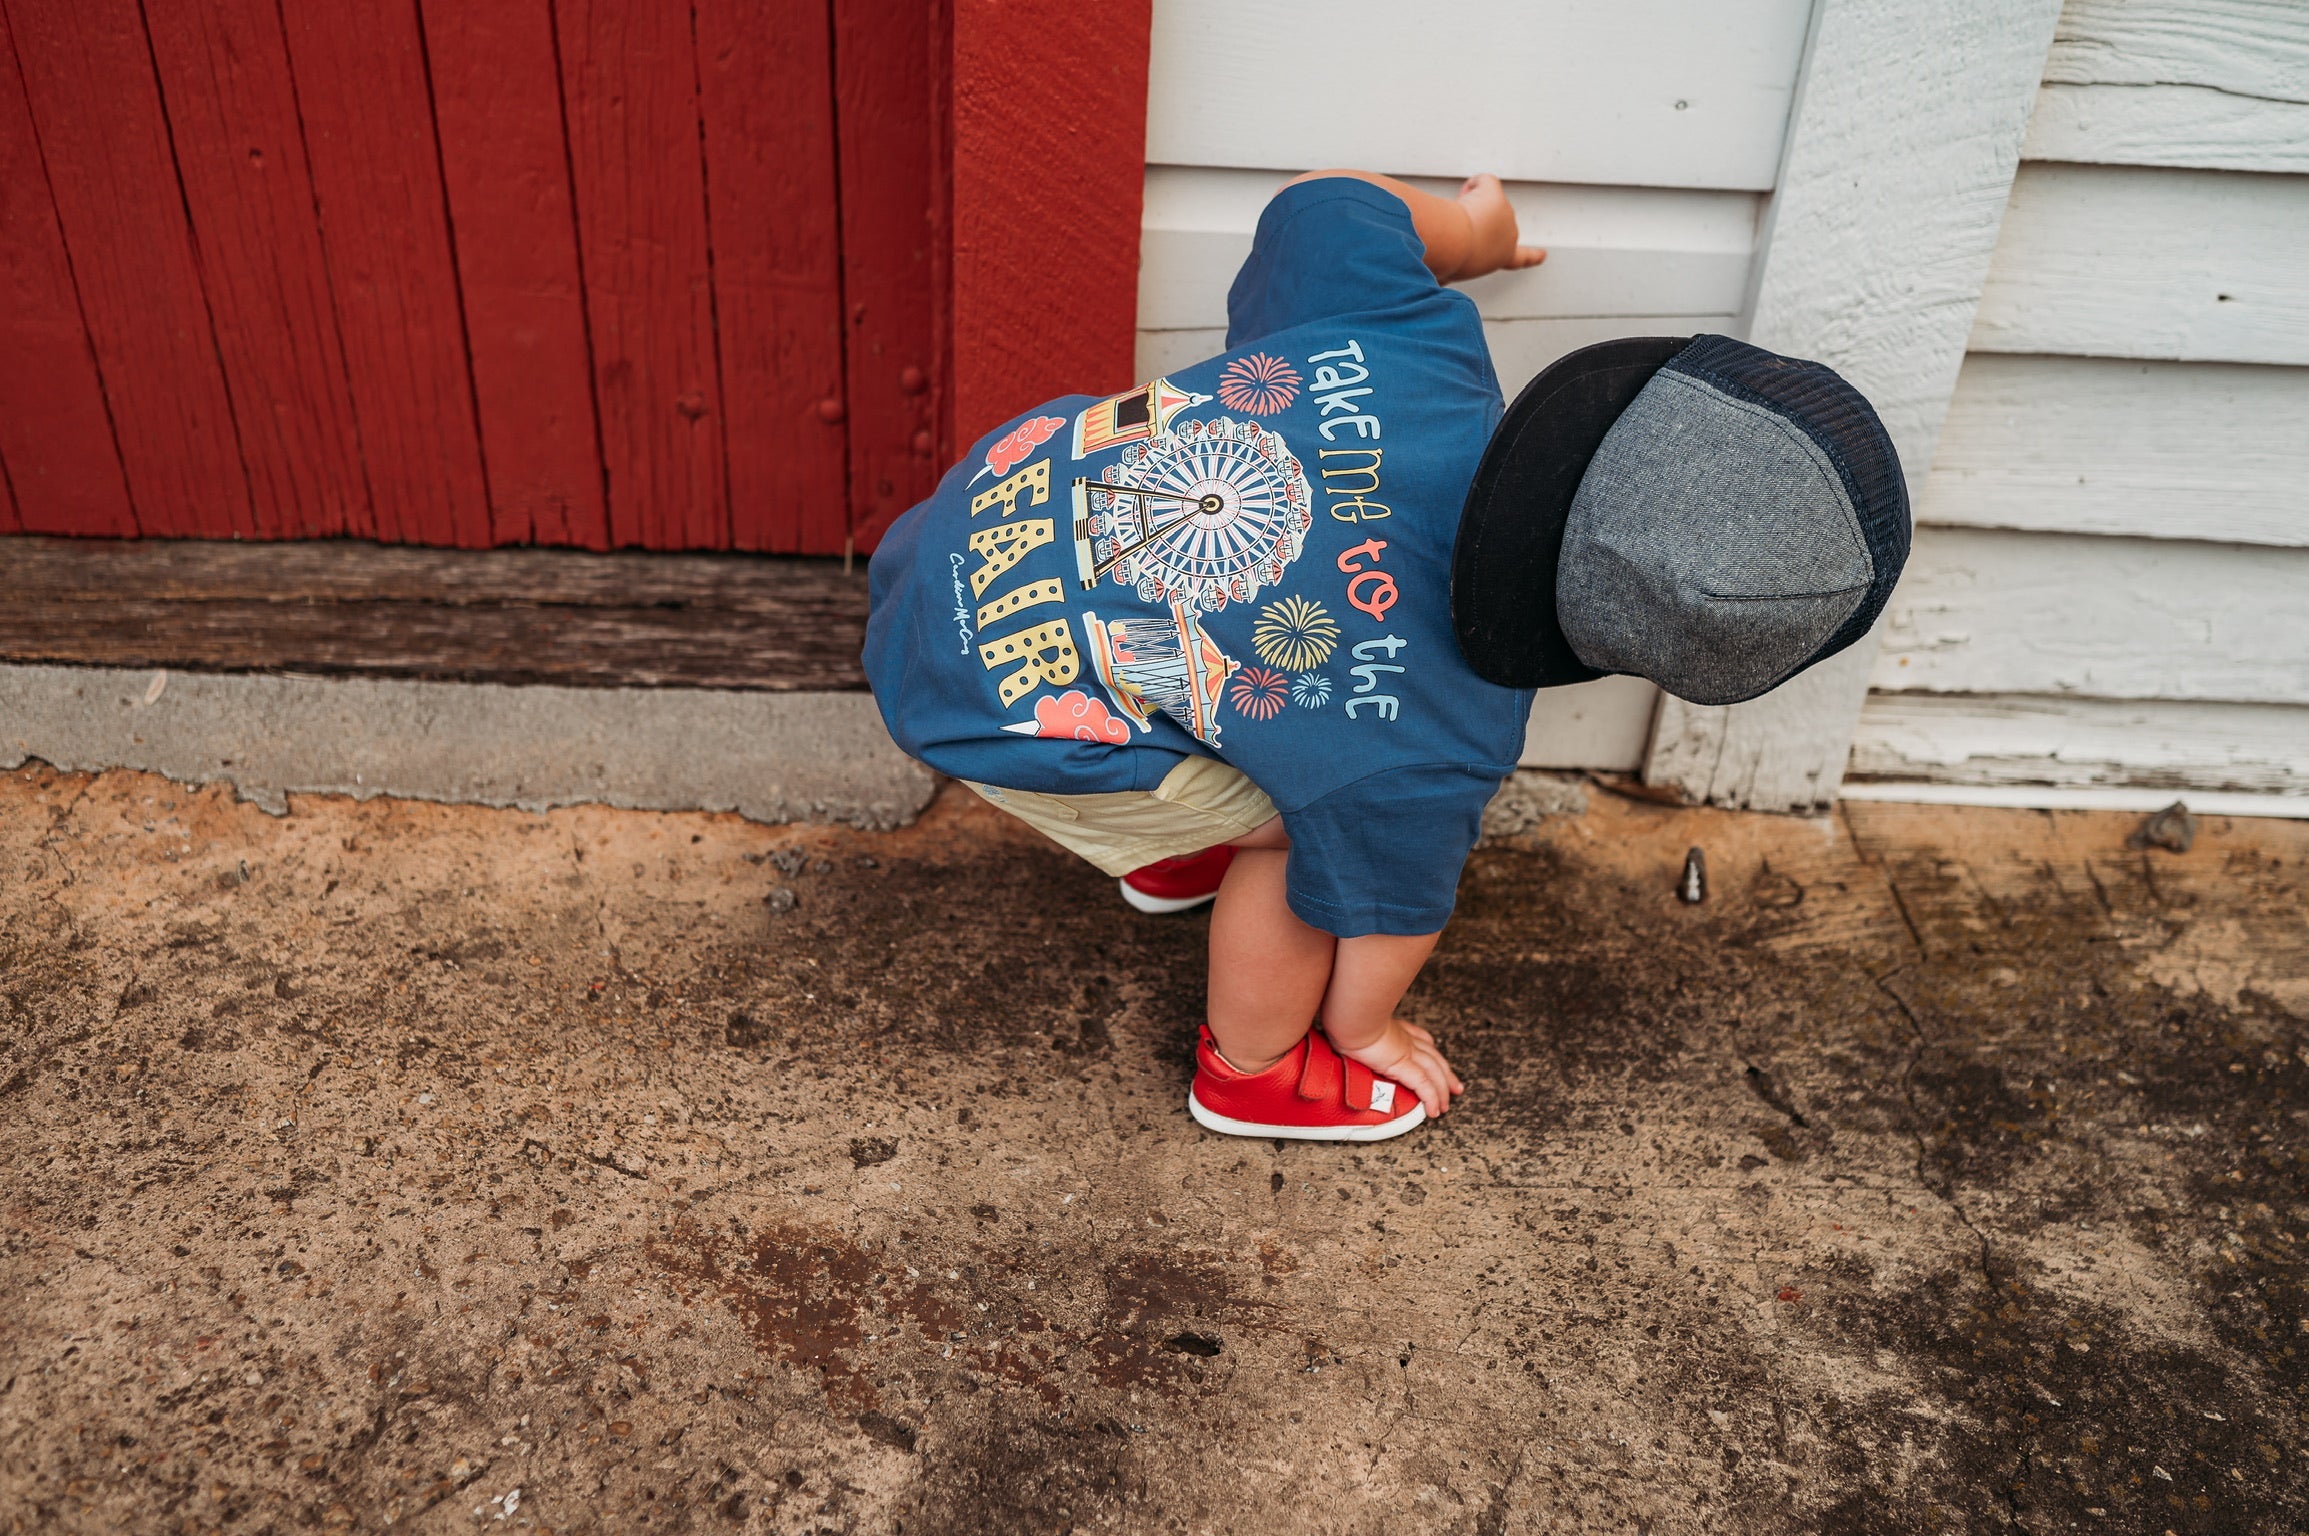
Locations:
(1271, 973)
(1268, 969)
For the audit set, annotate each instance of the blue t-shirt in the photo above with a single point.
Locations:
(1248, 560)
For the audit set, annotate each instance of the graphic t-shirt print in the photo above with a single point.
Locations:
(1189, 518)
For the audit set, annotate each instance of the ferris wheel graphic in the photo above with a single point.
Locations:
(1202, 516)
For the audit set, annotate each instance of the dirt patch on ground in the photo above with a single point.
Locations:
(408, 1167)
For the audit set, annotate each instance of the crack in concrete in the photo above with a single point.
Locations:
(1945, 1192)
(2012, 1490)
(1942, 1191)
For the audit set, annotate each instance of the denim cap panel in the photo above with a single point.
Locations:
(1712, 546)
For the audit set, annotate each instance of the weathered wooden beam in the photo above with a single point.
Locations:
(501, 616)
(1900, 152)
(2019, 740)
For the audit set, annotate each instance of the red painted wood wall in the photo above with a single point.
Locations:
(671, 274)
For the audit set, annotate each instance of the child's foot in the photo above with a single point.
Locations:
(1176, 885)
(1312, 1094)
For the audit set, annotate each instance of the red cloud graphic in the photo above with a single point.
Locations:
(1020, 441)
(1077, 715)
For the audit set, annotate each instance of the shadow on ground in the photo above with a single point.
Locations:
(397, 1166)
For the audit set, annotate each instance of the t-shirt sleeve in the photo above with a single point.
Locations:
(1330, 247)
(1383, 854)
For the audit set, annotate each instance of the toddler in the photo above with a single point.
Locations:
(1269, 626)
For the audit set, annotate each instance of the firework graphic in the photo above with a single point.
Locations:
(1258, 385)
(1310, 690)
(1258, 692)
(1294, 634)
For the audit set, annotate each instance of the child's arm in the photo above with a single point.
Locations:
(1369, 976)
(1465, 237)
(1272, 975)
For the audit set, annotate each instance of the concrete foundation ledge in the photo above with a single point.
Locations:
(768, 756)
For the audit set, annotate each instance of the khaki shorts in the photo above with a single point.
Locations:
(1199, 804)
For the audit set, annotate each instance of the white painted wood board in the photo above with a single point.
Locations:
(1665, 93)
(2177, 125)
(1162, 352)
(1611, 250)
(2132, 261)
(2215, 451)
(1901, 149)
(1782, 752)
(2255, 48)
(1602, 725)
(1519, 348)
(1989, 611)
(2019, 739)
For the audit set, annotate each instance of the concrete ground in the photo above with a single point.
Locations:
(429, 1168)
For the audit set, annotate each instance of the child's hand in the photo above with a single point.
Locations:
(1407, 1053)
(1492, 220)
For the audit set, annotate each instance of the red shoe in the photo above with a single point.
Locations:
(1312, 1094)
(1177, 885)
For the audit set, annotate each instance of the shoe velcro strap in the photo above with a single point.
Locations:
(1326, 1077)
(1320, 1077)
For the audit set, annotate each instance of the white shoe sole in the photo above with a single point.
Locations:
(1159, 905)
(1211, 1120)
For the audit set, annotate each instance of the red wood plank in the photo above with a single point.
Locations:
(224, 76)
(629, 80)
(766, 94)
(87, 74)
(1035, 316)
(497, 102)
(62, 469)
(368, 126)
(886, 105)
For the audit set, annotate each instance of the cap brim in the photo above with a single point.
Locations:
(1511, 529)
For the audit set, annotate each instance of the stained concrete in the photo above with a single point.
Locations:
(768, 756)
(396, 1166)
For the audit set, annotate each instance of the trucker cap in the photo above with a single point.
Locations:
(1699, 512)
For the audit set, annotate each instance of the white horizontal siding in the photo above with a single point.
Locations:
(2018, 740)
(1670, 93)
(1610, 250)
(1988, 611)
(2133, 412)
(2220, 84)
(2127, 261)
(1622, 261)
(2176, 125)
(2256, 48)
(2207, 451)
